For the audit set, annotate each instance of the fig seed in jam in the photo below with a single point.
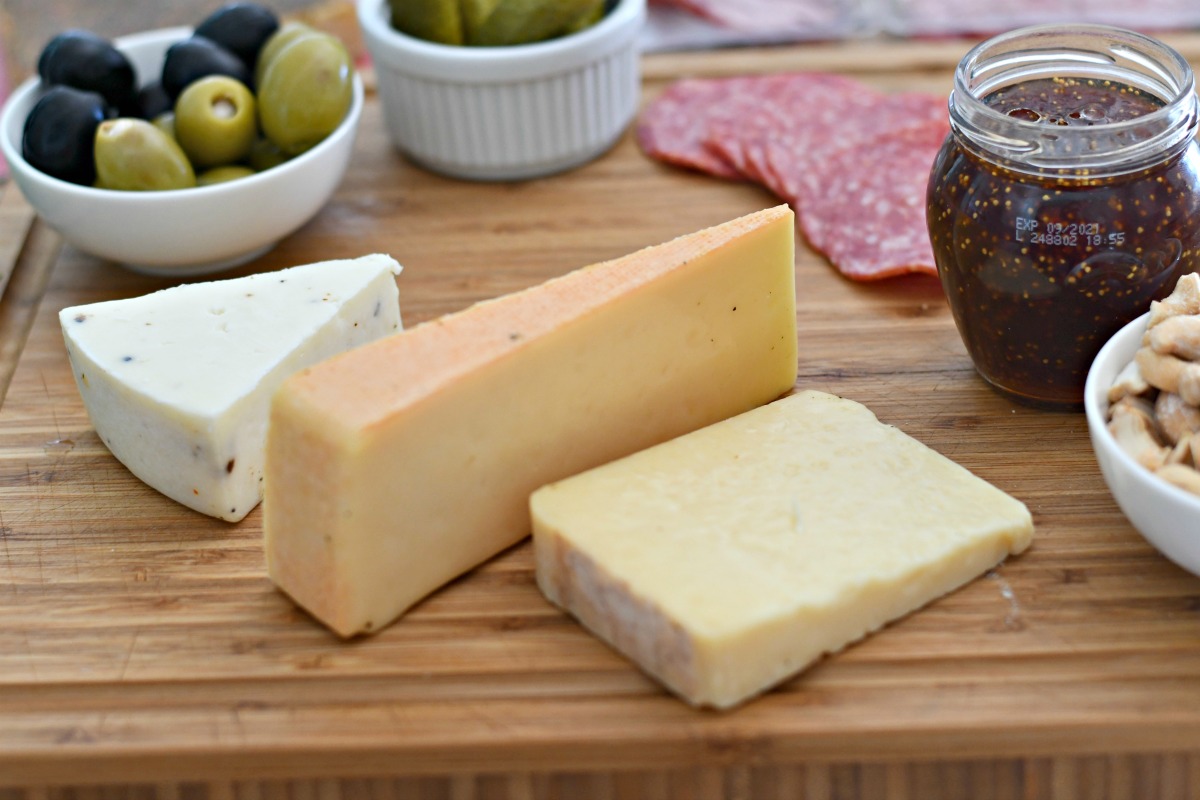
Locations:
(1041, 266)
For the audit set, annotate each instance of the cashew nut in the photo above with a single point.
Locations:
(1178, 335)
(1177, 420)
(1170, 374)
(1132, 425)
(1129, 382)
(1185, 478)
(1185, 299)
(1182, 453)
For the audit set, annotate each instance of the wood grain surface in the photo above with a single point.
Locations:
(143, 652)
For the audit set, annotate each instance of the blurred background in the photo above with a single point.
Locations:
(26, 25)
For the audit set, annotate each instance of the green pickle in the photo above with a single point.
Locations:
(475, 14)
(592, 13)
(522, 21)
(437, 21)
(493, 23)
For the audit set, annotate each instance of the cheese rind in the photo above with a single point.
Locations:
(729, 559)
(394, 469)
(178, 383)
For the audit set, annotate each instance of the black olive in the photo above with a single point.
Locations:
(195, 58)
(153, 101)
(59, 133)
(241, 28)
(83, 60)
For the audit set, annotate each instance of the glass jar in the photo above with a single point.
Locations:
(1064, 200)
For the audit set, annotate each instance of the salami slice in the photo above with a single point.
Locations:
(805, 107)
(852, 161)
(675, 124)
(865, 207)
(792, 156)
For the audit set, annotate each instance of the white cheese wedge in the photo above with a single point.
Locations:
(397, 467)
(729, 559)
(178, 383)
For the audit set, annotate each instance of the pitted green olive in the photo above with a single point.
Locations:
(215, 121)
(132, 154)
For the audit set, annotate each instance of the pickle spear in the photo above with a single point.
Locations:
(587, 19)
(475, 14)
(524, 21)
(493, 23)
(433, 20)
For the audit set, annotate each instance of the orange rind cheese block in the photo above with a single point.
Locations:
(399, 466)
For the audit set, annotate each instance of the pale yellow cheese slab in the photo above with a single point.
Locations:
(399, 466)
(729, 559)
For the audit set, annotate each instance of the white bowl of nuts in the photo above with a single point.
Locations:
(1142, 400)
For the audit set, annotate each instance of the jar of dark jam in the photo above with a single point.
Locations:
(1065, 199)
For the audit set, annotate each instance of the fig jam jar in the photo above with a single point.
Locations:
(1064, 200)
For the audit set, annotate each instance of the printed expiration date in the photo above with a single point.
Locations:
(1066, 234)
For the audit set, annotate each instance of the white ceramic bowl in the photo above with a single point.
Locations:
(1166, 515)
(507, 113)
(186, 231)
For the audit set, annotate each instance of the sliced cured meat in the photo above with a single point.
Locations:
(791, 157)
(865, 208)
(705, 124)
(806, 106)
(673, 127)
(852, 161)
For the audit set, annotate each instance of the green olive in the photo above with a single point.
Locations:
(229, 172)
(265, 154)
(132, 154)
(165, 122)
(278, 40)
(305, 92)
(215, 121)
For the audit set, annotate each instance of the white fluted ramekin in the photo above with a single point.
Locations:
(507, 113)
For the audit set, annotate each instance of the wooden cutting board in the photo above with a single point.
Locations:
(143, 649)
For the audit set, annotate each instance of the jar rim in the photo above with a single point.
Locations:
(1037, 52)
